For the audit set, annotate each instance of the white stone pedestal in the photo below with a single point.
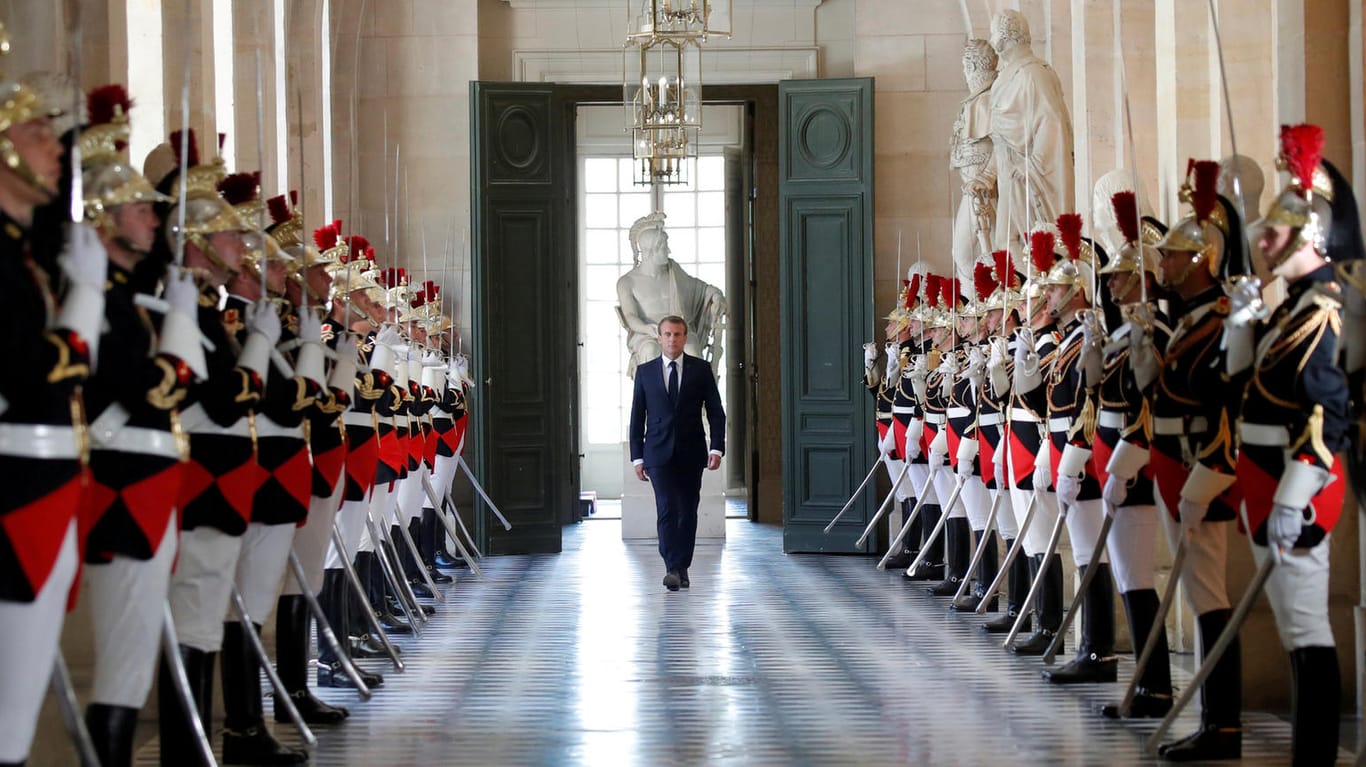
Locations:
(638, 507)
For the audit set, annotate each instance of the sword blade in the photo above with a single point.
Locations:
(480, 488)
(259, 650)
(325, 633)
(938, 526)
(906, 526)
(1011, 554)
(417, 555)
(1053, 647)
(981, 550)
(850, 503)
(70, 708)
(358, 590)
(884, 507)
(1038, 580)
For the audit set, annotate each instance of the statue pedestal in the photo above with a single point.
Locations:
(638, 507)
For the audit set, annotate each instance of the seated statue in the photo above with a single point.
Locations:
(658, 287)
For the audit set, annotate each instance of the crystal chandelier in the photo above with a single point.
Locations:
(652, 20)
(662, 93)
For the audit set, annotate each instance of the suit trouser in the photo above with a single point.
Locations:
(128, 606)
(678, 489)
(28, 647)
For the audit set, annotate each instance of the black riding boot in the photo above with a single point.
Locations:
(903, 558)
(111, 729)
(1221, 732)
(245, 737)
(988, 566)
(292, 622)
(178, 746)
(350, 622)
(1095, 660)
(1017, 591)
(932, 568)
(1316, 704)
(372, 572)
(958, 545)
(1153, 694)
(1047, 609)
(432, 531)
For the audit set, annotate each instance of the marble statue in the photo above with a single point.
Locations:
(1031, 136)
(657, 287)
(970, 155)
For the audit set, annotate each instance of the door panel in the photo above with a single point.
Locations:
(826, 193)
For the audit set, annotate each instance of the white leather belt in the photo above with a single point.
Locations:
(439, 413)
(1059, 424)
(38, 440)
(195, 421)
(136, 439)
(265, 427)
(1020, 415)
(896, 409)
(991, 419)
(960, 412)
(1169, 425)
(1111, 419)
(358, 418)
(936, 419)
(1267, 435)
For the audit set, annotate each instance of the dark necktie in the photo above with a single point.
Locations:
(673, 381)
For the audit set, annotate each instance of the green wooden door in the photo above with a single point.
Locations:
(523, 317)
(825, 189)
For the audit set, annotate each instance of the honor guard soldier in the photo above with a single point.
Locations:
(222, 475)
(1294, 421)
(939, 372)
(1192, 445)
(1070, 383)
(910, 405)
(891, 416)
(1123, 437)
(963, 438)
(43, 446)
(133, 402)
(1031, 485)
(992, 428)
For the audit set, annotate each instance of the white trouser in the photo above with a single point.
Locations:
(351, 521)
(127, 600)
(1045, 516)
(1298, 593)
(265, 555)
(313, 540)
(201, 586)
(1204, 575)
(1133, 548)
(381, 511)
(28, 648)
(379, 500)
(1005, 515)
(977, 502)
(411, 496)
(1084, 520)
(944, 482)
(917, 475)
(904, 490)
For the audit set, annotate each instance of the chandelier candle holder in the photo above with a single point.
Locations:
(662, 94)
(653, 20)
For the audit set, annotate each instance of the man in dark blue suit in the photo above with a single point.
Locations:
(668, 445)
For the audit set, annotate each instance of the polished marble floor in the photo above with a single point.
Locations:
(583, 658)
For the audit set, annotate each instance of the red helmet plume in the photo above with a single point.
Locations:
(933, 289)
(1204, 175)
(1125, 205)
(240, 187)
(982, 280)
(106, 102)
(1041, 251)
(1301, 151)
(1069, 231)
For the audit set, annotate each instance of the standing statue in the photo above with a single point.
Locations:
(1031, 136)
(658, 287)
(970, 154)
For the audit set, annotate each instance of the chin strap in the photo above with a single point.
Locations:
(11, 159)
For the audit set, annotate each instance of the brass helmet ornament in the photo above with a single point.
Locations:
(1205, 233)
(1305, 204)
(20, 103)
(107, 178)
(1043, 257)
(1075, 271)
(1139, 254)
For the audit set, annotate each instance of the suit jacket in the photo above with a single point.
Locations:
(664, 431)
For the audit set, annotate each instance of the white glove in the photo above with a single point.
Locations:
(976, 369)
(1245, 305)
(918, 374)
(1192, 514)
(1116, 490)
(310, 361)
(1068, 489)
(1092, 360)
(893, 360)
(967, 457)
(1284, 526)
(180, 335)
(390, 337)
(1002, 483)
(461, 364)
(343, 377)
(263, 332)
(86, 266)
(939, 447)
(914, 431)
(1043, 470)
(1027, 374)
(948, 369)
(869, 355)
(887, 444)
(1143, 359)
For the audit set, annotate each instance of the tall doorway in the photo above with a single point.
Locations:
(707, 223)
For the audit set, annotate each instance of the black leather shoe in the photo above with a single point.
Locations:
(1146, 705)
(367, 646)
(420, 589)
(683, 581)
(926, 573)
(444, 560)
(254, 745)
(672, 582)
(1205, 744)
(395, 609)
(1086, 667)
(944, 588)
(111, 728)
(439, 577)
(393, 624)
(1005, 622)
(313, 710)
(333, 676)
(901, 561)
(969, 602)
(1035, 645)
